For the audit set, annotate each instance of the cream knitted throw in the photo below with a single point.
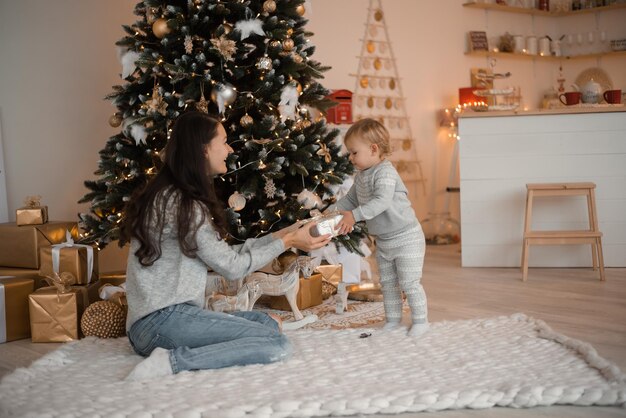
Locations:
(513, 361)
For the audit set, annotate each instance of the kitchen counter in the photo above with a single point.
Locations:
(575, 109)
(500, 152)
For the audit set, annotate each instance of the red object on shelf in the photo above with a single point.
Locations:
(467, 96)
(342, 113)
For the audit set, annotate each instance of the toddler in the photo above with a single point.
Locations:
(379, 197)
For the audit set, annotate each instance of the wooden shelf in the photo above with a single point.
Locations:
(546, 57)
(537, 12)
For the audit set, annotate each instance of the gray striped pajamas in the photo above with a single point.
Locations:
(380, 198)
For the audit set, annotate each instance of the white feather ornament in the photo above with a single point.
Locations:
(309, 199)
(246, 27)
(129, 65)
(138, 133)
(288, 102)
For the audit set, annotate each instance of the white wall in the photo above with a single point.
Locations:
(59, 61)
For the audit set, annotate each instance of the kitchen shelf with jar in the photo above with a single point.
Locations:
(496, 54)
(537, 12)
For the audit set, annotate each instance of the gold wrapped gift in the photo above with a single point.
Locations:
(113, 279)
(331, 272)
(309, 294)
(74, 259)
(55, 313)
(14, 319)
(32, 213)
(40, 281)
(19, 245)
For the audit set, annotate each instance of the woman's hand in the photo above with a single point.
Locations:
(346, 224)
(303, 240)
(291, 228)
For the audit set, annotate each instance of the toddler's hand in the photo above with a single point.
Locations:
(346, 224)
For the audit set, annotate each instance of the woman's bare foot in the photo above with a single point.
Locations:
(278, 320)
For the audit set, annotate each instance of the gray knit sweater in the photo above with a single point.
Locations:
(175, 278)
(379, 197)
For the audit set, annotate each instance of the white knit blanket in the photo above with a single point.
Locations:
(513, 361)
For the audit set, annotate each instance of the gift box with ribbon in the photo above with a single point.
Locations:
(14, 320)
(19, 245)
(32, 213)
(55, 311)
(309, 294)
(114, 279)
(33, 274)
(79, 259)
(332, 273)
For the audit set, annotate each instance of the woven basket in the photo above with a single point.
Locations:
(104, 319)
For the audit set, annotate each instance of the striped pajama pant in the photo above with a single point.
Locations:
(400, 261)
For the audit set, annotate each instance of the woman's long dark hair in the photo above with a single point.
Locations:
(183, 182)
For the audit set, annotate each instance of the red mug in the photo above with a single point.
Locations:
(613, 96)
(571, 98)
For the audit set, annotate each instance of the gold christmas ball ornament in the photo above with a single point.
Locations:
(378, 15)
(115, 120)
(406, 144)
(392, 83)
(364, 82)
(306, 123)
(289, 32)
(269, 6)
(275, 44)
(288, 44)
(301, 10)
(228, 28)
(264, 63)
(297, 58)
(378, 64)
(237, 201)
(388, 103)
(160, 28)
(371, 47)
(225, 91)
(246, 120)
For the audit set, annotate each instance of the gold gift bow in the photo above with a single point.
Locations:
(63, 282)
(32, 201)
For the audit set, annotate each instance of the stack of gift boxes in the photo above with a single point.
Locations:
(34, 253)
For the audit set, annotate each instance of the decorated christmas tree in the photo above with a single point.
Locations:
(248, 62)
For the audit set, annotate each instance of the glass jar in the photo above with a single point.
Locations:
(441, 229)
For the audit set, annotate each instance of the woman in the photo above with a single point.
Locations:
(176, 226)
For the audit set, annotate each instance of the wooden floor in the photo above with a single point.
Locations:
(572, 301)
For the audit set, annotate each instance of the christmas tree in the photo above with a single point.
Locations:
(248, 61)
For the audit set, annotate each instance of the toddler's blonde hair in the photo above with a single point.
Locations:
(371, 131)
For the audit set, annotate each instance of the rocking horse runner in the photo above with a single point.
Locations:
(175, 227)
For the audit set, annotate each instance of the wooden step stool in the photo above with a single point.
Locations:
(591, 236)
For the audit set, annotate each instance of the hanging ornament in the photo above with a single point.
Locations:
(392, 83)
(406, 144)
(275, 44)
(297, 58)
(301, 10)
(226, 47)
(202, 105)
(228, 28)
(115, 120)
(156, 104)
(324, 152)
(223, 94)
(288, 44)
(264, 63)
(370, 102)
(388, 103)
(129, 60)
(138, 133)
(364, 82)
(237, 201)
(246, 121)
(306, 123)
(269, 6)
(270, 188)
(288, 102)
(378, 64)
(309, 200)
(371, 47)
(160, 28)
(188, 44)
(378, 15)
(247, 27)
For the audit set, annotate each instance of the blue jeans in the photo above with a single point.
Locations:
(202, 339)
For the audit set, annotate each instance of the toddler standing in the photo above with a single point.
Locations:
(380, 198)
